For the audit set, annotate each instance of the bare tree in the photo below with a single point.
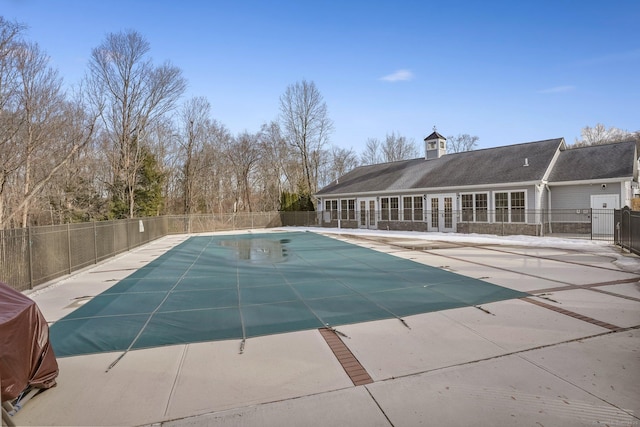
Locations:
(10, 117)
(134, 93)
(195, 121)
(276, 170)
(77, 132)
(40, 132)
(340, 162)
(371, 153)
(41, 103)
(599, 134)
(76, 192)
(167, 151)
(306, 127)
(462, 142)
(397, 147)
(243, 153)
(214, 177)
(283, 158)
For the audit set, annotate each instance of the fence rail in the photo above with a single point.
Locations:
(576, 223)
(33, 256)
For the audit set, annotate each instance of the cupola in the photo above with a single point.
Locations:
(435, 145)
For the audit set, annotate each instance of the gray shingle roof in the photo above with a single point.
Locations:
(488, 166)
(595, 162)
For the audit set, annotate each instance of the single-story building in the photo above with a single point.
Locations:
(532, 188)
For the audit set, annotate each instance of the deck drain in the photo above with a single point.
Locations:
(351, 365)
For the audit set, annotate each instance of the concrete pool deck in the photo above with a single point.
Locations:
(569, 355)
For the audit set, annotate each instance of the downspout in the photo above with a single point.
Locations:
(549, 206)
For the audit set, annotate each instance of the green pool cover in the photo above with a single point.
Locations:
(239, 286)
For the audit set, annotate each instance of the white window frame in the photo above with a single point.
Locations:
(413, 215)
(384, 210)
(394, 213)
(389, 213)
(347, 209)
(351, 209)
(474, 206)
(406, 217)
(333, 208)
(420, 217)
(509, 206)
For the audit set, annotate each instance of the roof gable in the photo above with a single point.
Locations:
(434, 135)
(605, 161)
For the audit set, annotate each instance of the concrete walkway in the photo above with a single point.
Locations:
(569, 356)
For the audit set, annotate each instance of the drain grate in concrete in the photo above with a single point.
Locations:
(350, 364)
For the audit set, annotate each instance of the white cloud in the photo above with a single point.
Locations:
(557, 89)
(398, 76)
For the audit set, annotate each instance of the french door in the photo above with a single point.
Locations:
(367, 213)
(440, 216)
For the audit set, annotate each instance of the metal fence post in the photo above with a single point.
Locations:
(30, 257)
(69, 245)
(630, 234)
(95, 242)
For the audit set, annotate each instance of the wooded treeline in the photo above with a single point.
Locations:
(125, 143)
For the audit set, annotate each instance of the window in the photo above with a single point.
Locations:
(510, 206)
(417, 208)
(482, 206)
(412, 208)
(331, 206)
(502, 207)
(389, 208)
(348, 209)
(474, 207)
(394, 208)
(407, 208)
(517, 206)
(384, 208)
(466, 201)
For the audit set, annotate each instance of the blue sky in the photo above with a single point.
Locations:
(506, 71)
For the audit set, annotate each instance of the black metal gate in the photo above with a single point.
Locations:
(627, 229)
